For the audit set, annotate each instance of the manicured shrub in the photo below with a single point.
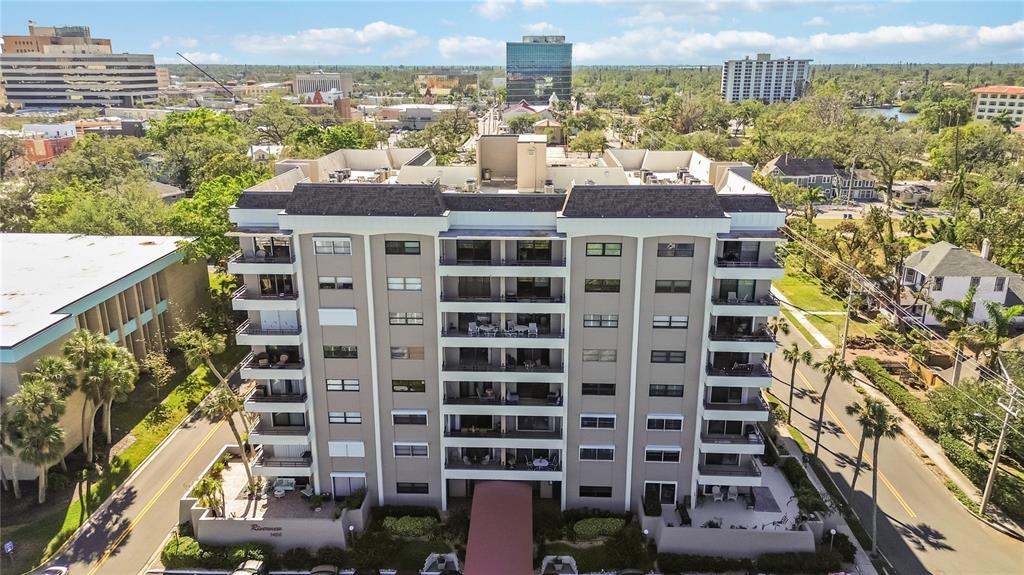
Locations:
(331, 556)
(914, 408)
(548, 521)
(820, 562)
(1008, 493)
(596, 527)
(409, 526)
(672, 563)
(298, 558)
(808, 499)
(186, 552)
(571, 516)
(652, 507)
(355, 499)
(379, 513)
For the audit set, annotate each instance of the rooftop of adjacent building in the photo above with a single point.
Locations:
(766, 57)
(1008, 90)
(944, 259)
(42, 274)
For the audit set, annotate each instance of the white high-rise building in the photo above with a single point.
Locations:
(765, 79)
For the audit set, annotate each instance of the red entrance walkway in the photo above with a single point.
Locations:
(500, 529)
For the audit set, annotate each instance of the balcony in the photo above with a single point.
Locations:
(758, 340)
(504, 373)
(740, 375)
(749, 444)
(244, 299)
(765, 306)
(266, 434)
(743, 475)
(455, 469)
(752, 409)
(253, 368)
(240, 263)
(735, 269)
(496, 267)
(519, 337)
(269, 466)
(257, 402)
(508, 303)
(252, 334)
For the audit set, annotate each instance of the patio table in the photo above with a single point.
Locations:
(541, 463)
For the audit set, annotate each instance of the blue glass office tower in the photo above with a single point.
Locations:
(537, 67)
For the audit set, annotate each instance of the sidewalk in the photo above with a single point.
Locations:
(801, 316)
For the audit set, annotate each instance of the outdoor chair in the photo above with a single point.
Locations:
(533, 332)
(474, 329)
(732, 493)
(716, 491)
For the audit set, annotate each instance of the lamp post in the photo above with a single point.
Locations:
(831, 537)
(351, 535)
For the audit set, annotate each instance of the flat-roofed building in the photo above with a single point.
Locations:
(765, 79)
(308, 84)
(991, 101)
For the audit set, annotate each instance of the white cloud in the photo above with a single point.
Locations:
(330, 41)
(199, 58)
(891, 36)
(493, 9)
(174, 42)
(534, 4)
(816, 21)
(473, 48)
(542, 28)
(447, 22)
(1008, 34)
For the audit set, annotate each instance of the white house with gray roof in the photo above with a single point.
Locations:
(945, 271)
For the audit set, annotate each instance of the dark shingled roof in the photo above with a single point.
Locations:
(462, 202)
(263, 200)
(642, 202)
(797, 167)
(748, 203)
(401, 200)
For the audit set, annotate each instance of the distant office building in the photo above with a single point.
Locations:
(322, 82)
(991, 101)
(66, 66)
(260, 90)
(444, 84)
(163, 78)
(538, 67)
(765, 79)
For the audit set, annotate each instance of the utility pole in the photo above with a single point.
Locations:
(1008, 413)
(846, 324)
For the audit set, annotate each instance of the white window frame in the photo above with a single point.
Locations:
(346, 449)
(405, 284)
(671, 322)
(603, 447)
(334, 243)
(343, 384)
(599, 416)
(663, 449)
(601, 355)
(609, 320)
(665, 417)
(346, 417)
(412, 454)
(422, 412)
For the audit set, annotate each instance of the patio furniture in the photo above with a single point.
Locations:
(286, 483)
(474, 329)
(716, 491)
(307, 492)
(511, 397)
(521, 329)
(486, 459)
(465, 460)
(732, 493)
(279, 492)
(282, 361)
(541, 463)
(533, 332)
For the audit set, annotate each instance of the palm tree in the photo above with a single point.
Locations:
(117, 374)
(208, 491)
(83, 349)
(1004, 121)
(8, 440)
(808, 198)
(998, 328)
(883, 424)
(774, 326)
(221, 405)
(795, 356)
(913, 223)
(863, 414)
(35, 413)
(955, 316)
(42, 445)
(199, 349)
(831, 367)
(59, 372)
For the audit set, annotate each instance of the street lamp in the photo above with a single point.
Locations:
(351, 534)
(831, 533)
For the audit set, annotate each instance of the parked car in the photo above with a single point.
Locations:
(250, 567)
(53, 570)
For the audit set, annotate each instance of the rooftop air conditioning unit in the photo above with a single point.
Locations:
(549, 186)
(486, 174)
(682, 173)
(344, 174)
(588, 182)
(471, 185)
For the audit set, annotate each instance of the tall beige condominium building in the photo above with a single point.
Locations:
(765, 79)
(65, 66)
(595, 328)
(991, 101)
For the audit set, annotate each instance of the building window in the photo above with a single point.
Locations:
(601, 286)
(598, 389)
(595, 491)
(336, 246)
(401, 248)
(408, 385)
(597, 453)
(665, 422)
(335, 282)
(403, 352)
(411, 450)
(594, 421)
(405, 284)
(665, 390)
(344, 417)
(598, 320)
(672, 286)
(604, 249)
(671, 321)
(668, 356)
(937, 282)
(661, 455)
(412, 487)
(341, 352)
(1000, 284)
(675, 250)
(342, 385)
(599, 355)
(975, 282)
(406, 318)
(408, 418)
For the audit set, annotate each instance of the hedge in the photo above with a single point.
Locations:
(186, 552)
(681, 563)
(820, 562)
(379, 513)
(409, 526)
(914, 408)
(1008, 492)
(597, 527)
(808, 498)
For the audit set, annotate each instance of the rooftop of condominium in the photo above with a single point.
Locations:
(43, 276)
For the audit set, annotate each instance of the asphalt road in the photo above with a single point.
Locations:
(130, 530)
(921, 527)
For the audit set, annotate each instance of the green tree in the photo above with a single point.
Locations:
(832, 367)
(109, 162)
(35, 415)
(586, 121)
(159, 371)
(200, 348)
(85, 349)
(955, 316)
(187, 140)
(8, 449)
(522, 124)
(115, 375)
(589, 141)
(17, 203)
(775, 326)
(913, 223)
(631, 103)
(205, 216)
(887, 425)
(208, 492)
(997, 330)
(223, 405)
(85, 207)
(1004, 121)
(10, 150)
(276, 121)
(863, 413)
(889, 152)
(794, 356)
(975, 146)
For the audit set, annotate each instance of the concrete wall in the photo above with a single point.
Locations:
(564, 176)
(498, 154)
(283, 534)
(733, 543)
(454, 176)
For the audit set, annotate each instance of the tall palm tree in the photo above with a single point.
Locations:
(42, 445)
(795, 356)
(221, 405)
(8, 441)
(831, 367)
(84, 349)
(61, 373)
(117, 373)
(1004, 121)
(863, 414)
(883, 424)
(35, 413)
(955, 316)
(774, 326)
(208, 491)
(199, 349)
(998, 328)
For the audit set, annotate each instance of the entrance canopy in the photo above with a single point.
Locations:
(500, 529)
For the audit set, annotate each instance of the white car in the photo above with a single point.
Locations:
(53, 570)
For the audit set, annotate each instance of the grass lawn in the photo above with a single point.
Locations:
(805, 292)
(594, 558)
(832, 327)
(41, 534)
(799, 327)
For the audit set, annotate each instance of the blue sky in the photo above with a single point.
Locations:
(603, 31)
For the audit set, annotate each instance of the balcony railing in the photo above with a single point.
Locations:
(449, 261)
(509, 298)
(503, 333)
(497, 466)
(257, 396)
(250, 362)
(740, 370)
(746, 470)
(551, 400)
(766, 300)
(762, 263)
(267, 429)
(492, 367)
(239, 257)
(244, 293)
(509, 434)
(248, 328)
(754, 404)
(264, 461)
(757, 335)
(729, 439)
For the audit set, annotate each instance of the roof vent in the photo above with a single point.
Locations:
(471, 186)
